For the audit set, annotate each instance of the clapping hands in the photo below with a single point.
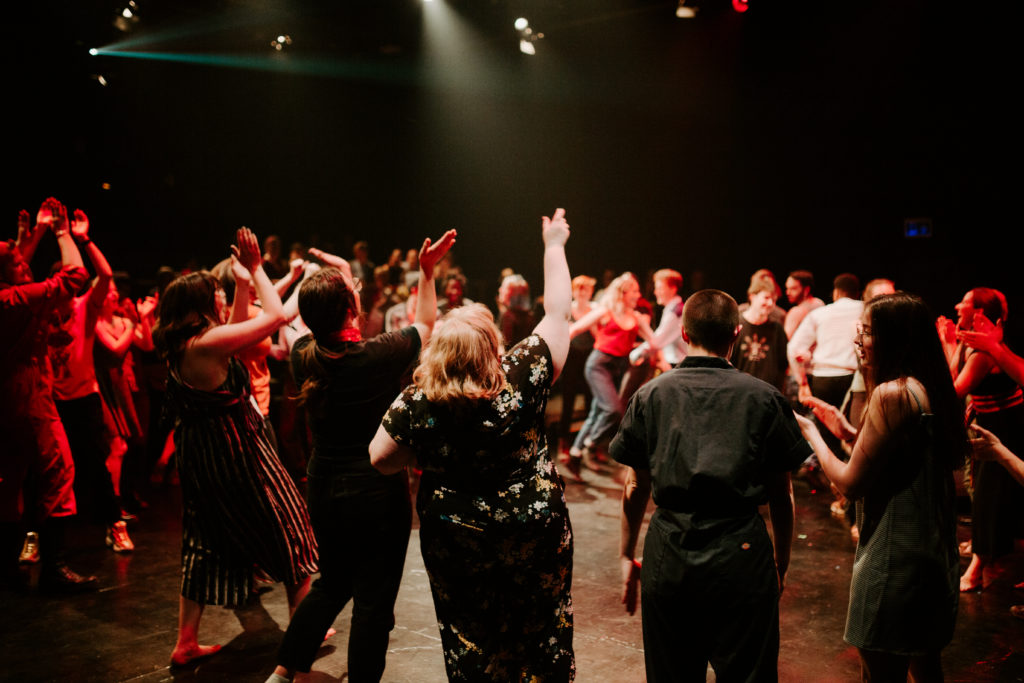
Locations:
(246, 250)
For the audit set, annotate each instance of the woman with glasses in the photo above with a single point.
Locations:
(903, 592)
(362, 518)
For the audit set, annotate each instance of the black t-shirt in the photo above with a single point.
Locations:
(760, 350)
(361, 383)
(711, 437)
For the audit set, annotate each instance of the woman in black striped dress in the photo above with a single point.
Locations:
(241, 510)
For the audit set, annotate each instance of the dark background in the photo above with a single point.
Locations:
(795, 135)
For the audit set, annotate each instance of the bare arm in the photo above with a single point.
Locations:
(977, 367)
(426, 310)
(987, 337)
(636, 491)
(987, 446)
(116, 344)
(587, 321)
(104, 273)
(226, 340)
(53, 215)
(240, 304)
(28, 236)
(886, 409)
(554, 326)
(782, 511)
(295, 270)
(389, 456)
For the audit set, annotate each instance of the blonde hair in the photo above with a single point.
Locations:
(613, 293)
(462, 360)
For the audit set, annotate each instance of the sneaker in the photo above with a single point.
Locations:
(118, 540)
(64, 580)
(30, 550)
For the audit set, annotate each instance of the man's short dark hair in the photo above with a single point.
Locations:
(710, 318)
(804, 277)
(848, 284)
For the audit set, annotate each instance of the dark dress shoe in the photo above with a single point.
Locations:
(63, 579)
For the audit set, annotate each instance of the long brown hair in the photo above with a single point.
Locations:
(188, 307)
(906, 344)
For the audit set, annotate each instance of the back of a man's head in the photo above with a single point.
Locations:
(846, 284)
(710, 318)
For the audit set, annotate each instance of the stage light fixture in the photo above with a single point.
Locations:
(93, 51)
(527, 36)
(684, 12)
(281, 42)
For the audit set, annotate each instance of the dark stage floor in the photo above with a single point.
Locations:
(125, 631)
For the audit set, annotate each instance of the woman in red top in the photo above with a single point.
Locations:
(615, 323)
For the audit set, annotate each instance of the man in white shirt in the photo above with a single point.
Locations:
(824, 343)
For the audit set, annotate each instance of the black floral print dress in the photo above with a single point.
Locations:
(494, 528)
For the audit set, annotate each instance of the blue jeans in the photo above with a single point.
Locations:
(604, 373)
(362, 524)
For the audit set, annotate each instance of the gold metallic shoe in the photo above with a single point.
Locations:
(30, 550)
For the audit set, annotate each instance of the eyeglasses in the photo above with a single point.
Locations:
(863, 330)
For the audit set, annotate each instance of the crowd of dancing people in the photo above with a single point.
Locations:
(292, 398)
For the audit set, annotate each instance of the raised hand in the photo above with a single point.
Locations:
(984, 335)
(946, 329)
(24, 225)
(247, 249)
(146, 306)
(330, 259)
(297, 267)
(48, 213)
(555, 230)
(239, 271)
(432, 252)
(80, 225)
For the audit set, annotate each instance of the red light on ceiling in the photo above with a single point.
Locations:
(740, 5)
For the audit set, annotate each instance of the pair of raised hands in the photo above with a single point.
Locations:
(52, 215)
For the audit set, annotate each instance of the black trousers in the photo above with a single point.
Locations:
(362, 525)
(94, 489)
(716, 604)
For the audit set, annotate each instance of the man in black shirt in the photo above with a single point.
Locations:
(712, 444)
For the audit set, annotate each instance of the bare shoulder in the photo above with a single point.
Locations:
(901, 398)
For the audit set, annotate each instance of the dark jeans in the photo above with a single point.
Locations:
(604, 373)
(362, 524)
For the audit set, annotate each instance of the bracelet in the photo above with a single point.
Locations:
(60, 233)
(85, 242)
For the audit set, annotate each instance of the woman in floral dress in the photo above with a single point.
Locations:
(494, 528)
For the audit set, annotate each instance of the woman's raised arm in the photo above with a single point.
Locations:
(554, 326)
(226, 340)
